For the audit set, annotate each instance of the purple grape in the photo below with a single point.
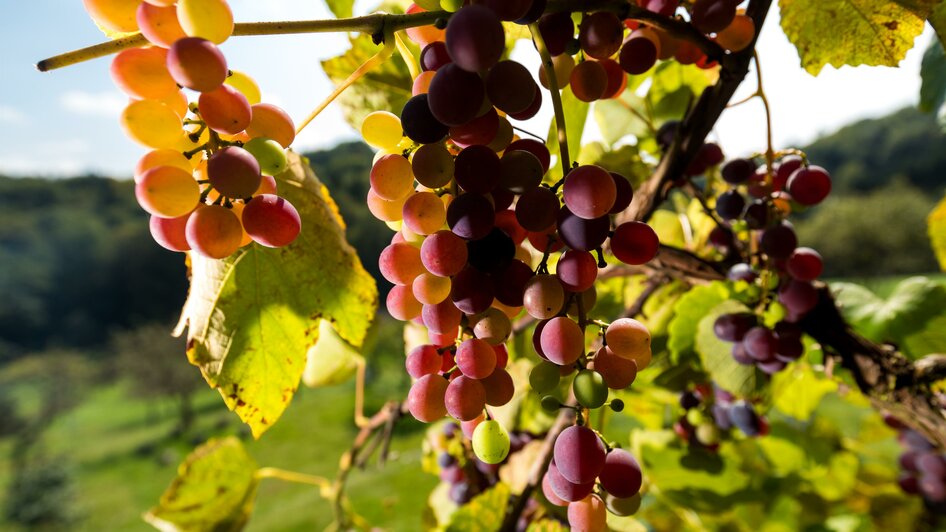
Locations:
(761, 344)
(745, 418)
(733, 327)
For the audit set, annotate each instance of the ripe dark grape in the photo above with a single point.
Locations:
(480, 130)
(733, 327)
(500, 388)
(197, 64)
(581, 234)
(809, 185)
(779, 242)
(805, 264)
(577, 270)
(510, 87)
(799, 297)
(760, 343)
(434, 56)
(419, 123)
(271, 221)
(634, 243)
(784, 170)
(589, 81)
(471, 216)
(639, 52)
(579, 454)
(730, 204)
(557, 31)
(506, 9)
(621, 475)
(711, 16)
(564, 489)
(771, 367)
(511, 283)
(444, 253)
(533, 13)
(472, 291)
(477, 169)
(521, 171)
(742, 272)
(757, 215)
(745, 418)
(722, 238)
(539, 149)
(617, 78)
(600, 34)
(234, 172)
(623, 193)
(562, 341)
(455, 95)
(738, 171)
(589, 192)
(533, 109)
(465, 398)
(537, 209)
(492, 253)
(475, 38)
(550, 494)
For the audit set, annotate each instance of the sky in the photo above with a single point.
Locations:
(65, 122)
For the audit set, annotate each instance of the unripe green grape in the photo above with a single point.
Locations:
(623, 507)
(550, 403)
(491, 442)
(590, 389)
(269, 154)
(617, 405)
(429, 5)
(544, 377)
(707, 433)
(695, 417)
(451, 5)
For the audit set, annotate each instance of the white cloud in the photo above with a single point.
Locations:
(42, 166)
(11, 115)
(104, 104)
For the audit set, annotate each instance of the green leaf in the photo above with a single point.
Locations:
(798, 390)
(937, 231)
(938, 20)
(669, 228)
(932, 339)
(933, 76)
(252, 318)
(687, 313)
(576, 114)
(547, 525)
(622, 116)
(387, 87)
(340, 8)
(914, 302)
(716, 355)
(853, 32)
(331, 360)
(214, 490)
(837, 479)
(485, 512)
(785, 456)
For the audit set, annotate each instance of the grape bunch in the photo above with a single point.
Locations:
(208, 180)
(923, 468)
(709, 415)
(590, 478)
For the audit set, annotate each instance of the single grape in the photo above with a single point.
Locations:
(733, 327)
(492, 253)
(442, 317)
(760, 343)
(778, 242)
(401, 303)
(799, 297)
(805, 264)
(270, 155)
(738, 171)
(544, 377)
(430, 289)
(433, 165)
(629, 338)
(214, 231)
(209, 19)
(471, 216)
(197, 64)
(477, 169)
(170, 233)
(499, 387)
(589, 192)
(621, 475)
(472, 291)
(510, 87)
(425, 400)
(639, 52)
(492, 326)
(400, 263)
(234, 172)
(465, 398)
(392, 178)
(520, 171)
(634, 243)
(730, 204)
(784, 170)
(549, 493)
(271, 221)
(623, 193)
(581, 234)
(622, 507)
(476, 358)
(588, 81)
(385, 210)
(164, 157)
(562, 341)
(167, 191)
(600, 34)
(618, 372)
(115, 15)
(153, 124)
(579, 454)
(809, 185)
(564, 489)
(382, 130)
(272, 122)
(423, 360)
(745, 418)
(562, 66)
(757, 215)
(531, 111)
(577, 270)
(455, 96)
(490, 442)
(419, 123)
(738, 35)
(480, 130)
(557, 31)
(588, 515)
(543, 297)
(711, 16)
(537, 209)
(444, 253)
(589, 389)
(225, 110)
(424, 213)
(143, 73)
(245, 84)
(434, 56)
(475, 38)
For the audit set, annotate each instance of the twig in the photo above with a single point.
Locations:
(407, 56)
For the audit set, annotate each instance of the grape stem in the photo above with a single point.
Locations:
(407, 56)
(556, 98)
(324, 484)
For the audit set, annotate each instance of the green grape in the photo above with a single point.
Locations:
(707, 433)
(209, 19)
(429, 5)
(451, 5)
(695, 417)
(270, 155)
(590, 389)
(490, 442)
(246, 85)
(382, 130)
(153, 124)
(550, 403)
(623, 507)
(544, 377)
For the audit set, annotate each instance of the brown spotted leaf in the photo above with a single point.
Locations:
(253, 317)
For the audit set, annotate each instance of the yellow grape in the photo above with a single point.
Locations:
(167, 191)
(429, 5)
(159, 24)
(155, 158)
(210, 19)
(430, 289)
(272, 122)
(161, 3)
(115, 15)
(245, 84)
(384, 210)
(143, 73)
(152, 123)
(382, 130)
(177, 101)
(424, 213)
(391, 177)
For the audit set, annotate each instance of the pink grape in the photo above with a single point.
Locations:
(197, 64)
(562, 341)
(170, 233)
(476, 358)
(271, 221)
(444, 253)
(465, 398)
(579, 454)
(214, 231)
(234, 172)
(423, 360)
(402, 305)
(621, 475)
(577, 270)
(426, 398)
(635, 243)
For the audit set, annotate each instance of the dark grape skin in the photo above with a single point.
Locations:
(638, 55)
(475, 38)
(757, 215)
(778, 242)
(471, 291)
(761, 343)
(742, 272)
(635, 243)
(624, 193)
(506, 220)
(799, 297)
(480, 130)
(730, 204)
(557, 31)
(805, 264)
(810, 185)
(537, 209)
(492, 253)
(738, 171)
(745, 418)
(600, 34)
(712, 16)
(589, 81)
(434, 56)
(621, 475)
(531, 111)
(521, 171)
(740, 355)
(565, 490)
(580, 234)
(666, 133)
(786, 167)
(477, 169)
(534, 13)
(722, 238)
(733, 327)
(511, 282)
(455, 96)
(510, 87)
(419, 123)
(471, 216)
(577, 270)
(539, 149)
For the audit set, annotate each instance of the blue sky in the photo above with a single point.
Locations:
(66, 122)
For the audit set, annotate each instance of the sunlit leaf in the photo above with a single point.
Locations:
(214, 490)
(340, 8)
(797, 390)
(252, 318)
(484, 512)
(937, 232)
(716, 355)
(688, 311)
(331, 360)
(576, 114)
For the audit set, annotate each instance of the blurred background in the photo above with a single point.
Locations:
(99, 403)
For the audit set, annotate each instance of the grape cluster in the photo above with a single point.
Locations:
(208, 180)
(589, 478)
(923, 468)
(709, 415)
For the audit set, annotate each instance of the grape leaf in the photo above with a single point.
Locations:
(687, 313)
(214, 490)
(933, 76)
(937, 231)
(331, 360)
(798, 390)
(484, 512)
(930, 340)
(914, 303)
(546, 525)
(387, 87)
(252, 318)
(340, 8)
(853, 32)
(716, 355)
